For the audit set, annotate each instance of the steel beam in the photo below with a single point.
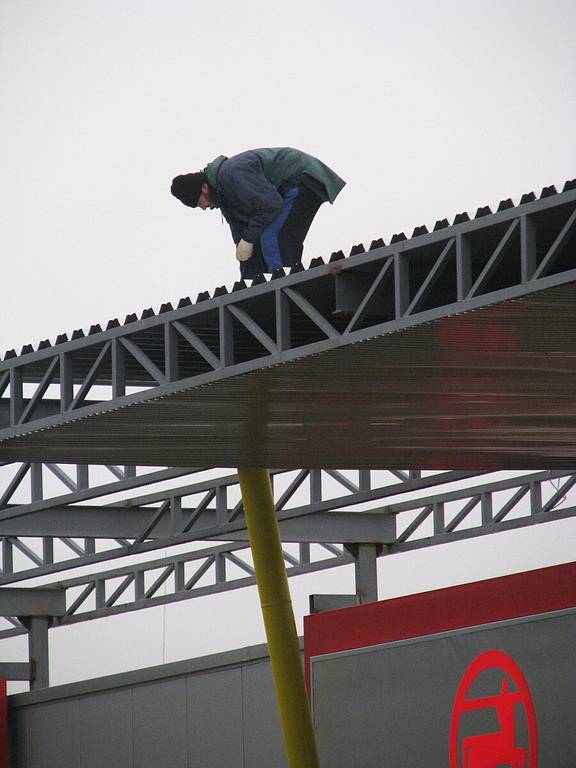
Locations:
(36, 601)
(113, 522)
(320, 603)
(15, 670)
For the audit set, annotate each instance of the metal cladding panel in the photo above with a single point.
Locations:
(54, 736)
(216, 712)
(159, 724)
(18, 740)
(215, 719)
(488, 389)
(414, 703)
(263, 743)
(106, 731)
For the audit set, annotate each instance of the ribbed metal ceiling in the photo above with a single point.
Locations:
(489, 389)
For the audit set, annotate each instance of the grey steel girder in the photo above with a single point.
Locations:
(110, 522)
(30, 601)
(78, 483)
(193, 523)
(15, 670)
(440, 518)
(241, 355)
(172, 579)
(460, 512)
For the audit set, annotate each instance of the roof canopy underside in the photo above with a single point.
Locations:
(489, 389)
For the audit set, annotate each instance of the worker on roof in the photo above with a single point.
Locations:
(269, 197)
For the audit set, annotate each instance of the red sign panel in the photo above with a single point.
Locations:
(511, 700)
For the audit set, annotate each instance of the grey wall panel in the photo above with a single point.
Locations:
(263, 741)
(106, 729)
(159, 725)
(53, 731)
(392, 705)
(213, 712)
(18, 738)
(215, 719)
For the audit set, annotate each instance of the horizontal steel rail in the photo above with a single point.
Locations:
(471, 264)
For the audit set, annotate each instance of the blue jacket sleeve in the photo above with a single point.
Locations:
(247, 189)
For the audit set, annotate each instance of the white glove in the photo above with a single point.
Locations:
(244, 250)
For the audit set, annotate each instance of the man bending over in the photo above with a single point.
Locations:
(269, 197)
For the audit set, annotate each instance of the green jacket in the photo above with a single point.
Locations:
(248, 187)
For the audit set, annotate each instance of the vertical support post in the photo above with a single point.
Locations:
(139, 592)
(226, 337)
(16, 395)
(528, 256)
(7, 556)
(37, 494)
(66, 382)
(47, 550)
(315, 495)
(83, 482)
(365, 572)
(176, 515)
(439, 517)
(179, 577)
(535, 498)
(364, 479)
(220, 567)
(100, 593)
(283, 336)
(278, 617)
(171, 362)
(36, 484)
(38, 651)
(82, 476)
(221, 505)
(401, 284)
(463, 267)
(486, 508)
(118, 369)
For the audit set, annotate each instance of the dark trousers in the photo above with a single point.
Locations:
(282, 242)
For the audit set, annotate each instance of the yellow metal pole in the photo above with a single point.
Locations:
(278, 617)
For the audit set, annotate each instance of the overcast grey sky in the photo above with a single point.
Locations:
(426, 109)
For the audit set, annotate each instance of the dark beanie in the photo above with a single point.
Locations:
(187, 187)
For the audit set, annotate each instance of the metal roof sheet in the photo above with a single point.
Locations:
(451, 349)
(487, 389)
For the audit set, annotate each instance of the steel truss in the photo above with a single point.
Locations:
(428, 517)
(207, 509)
(473, 263)
(56, 518)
